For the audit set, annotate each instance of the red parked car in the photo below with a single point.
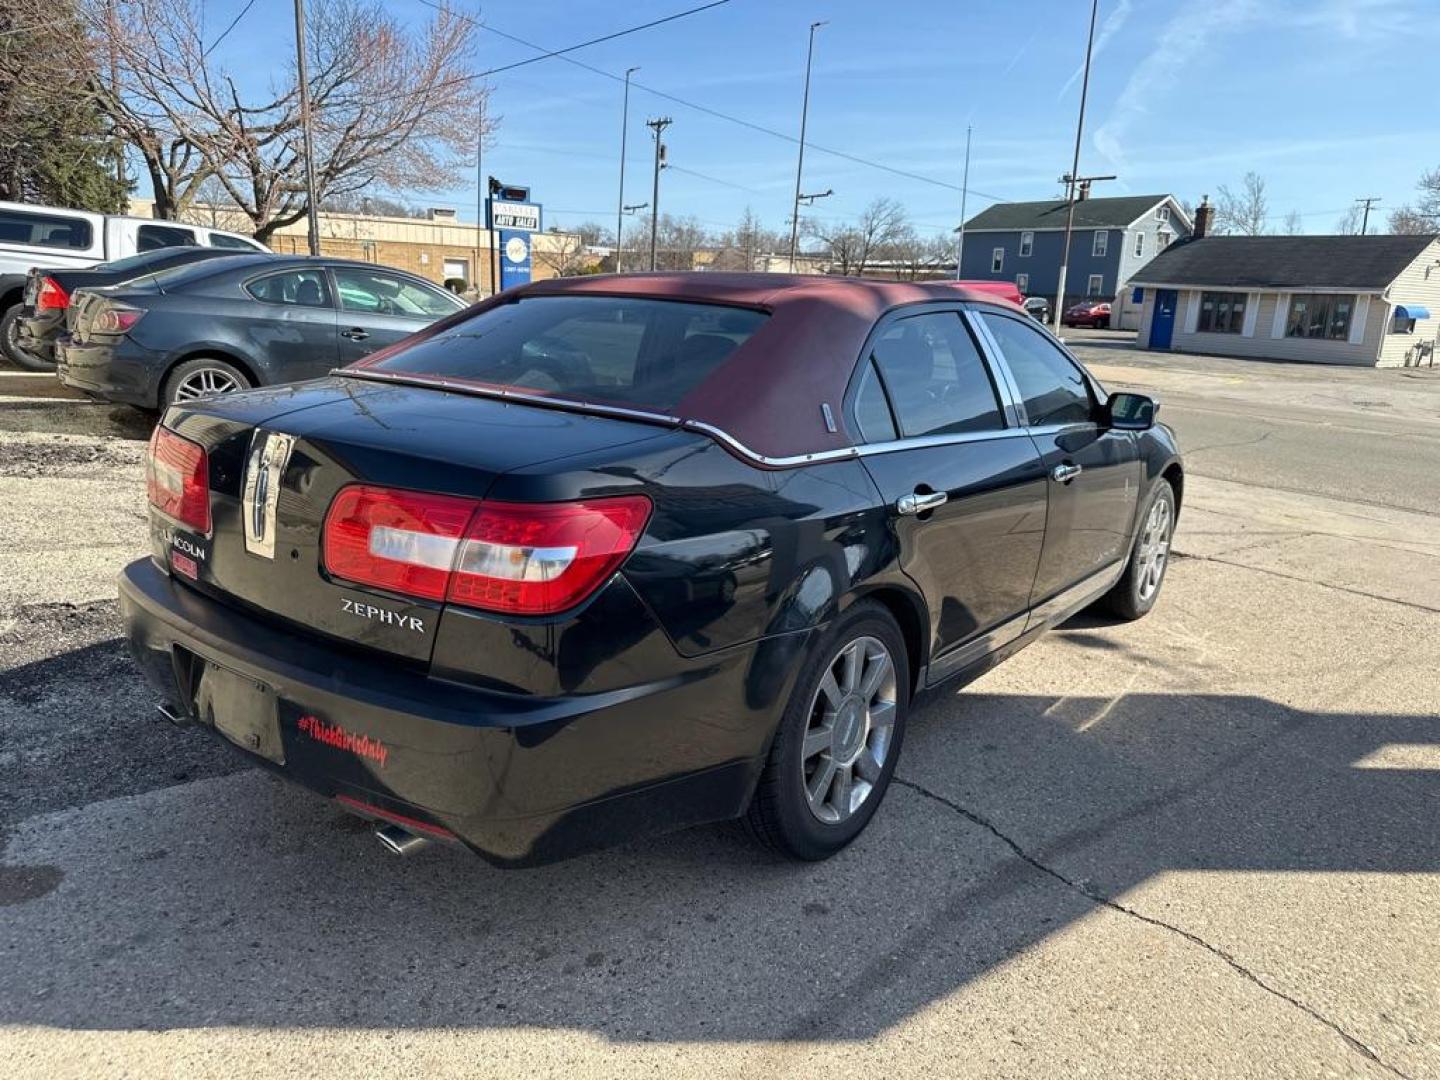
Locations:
(1088, 314)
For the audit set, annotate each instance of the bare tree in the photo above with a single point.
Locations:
(917, 258)
(1408, 220)
(677, 243)
(389, 106)
(1349, 222)
(565, 253)
(1293, 225)
(1424, 217)
(743, 247)
(1243, 212)
(852, 247)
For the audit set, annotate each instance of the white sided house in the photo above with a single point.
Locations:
(1370, 301)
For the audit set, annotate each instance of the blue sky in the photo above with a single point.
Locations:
(1328, 100)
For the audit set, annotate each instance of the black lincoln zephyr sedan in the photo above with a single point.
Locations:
(608, 556)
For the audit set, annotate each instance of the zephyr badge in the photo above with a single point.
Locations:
(269, 454)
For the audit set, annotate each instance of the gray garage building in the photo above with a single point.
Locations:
(1363, 300)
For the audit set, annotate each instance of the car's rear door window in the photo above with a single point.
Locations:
(154, 237)
(301, 288)
(935, 376)
(44, 230)
(645, 353)
(1052, 389)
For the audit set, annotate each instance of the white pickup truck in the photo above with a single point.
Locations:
(49, 236)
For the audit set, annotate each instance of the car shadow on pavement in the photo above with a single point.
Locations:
(239, 900)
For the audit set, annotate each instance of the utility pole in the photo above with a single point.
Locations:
(659, 125)
(1075, 170)
(620, 201)
(1367, 203)
(479, 198)
(964, 185)
(300, 66)
(800, 160)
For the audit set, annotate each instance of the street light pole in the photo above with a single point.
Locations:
(800, 160)
(1075, 170)
(300, 66)
(964, 187)
(659, 125)
(479, 197)
(620, 201)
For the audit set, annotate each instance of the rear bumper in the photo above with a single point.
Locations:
(119, 371)
(36, 334)
(519, 779)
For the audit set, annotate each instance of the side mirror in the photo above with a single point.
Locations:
(1130, 412)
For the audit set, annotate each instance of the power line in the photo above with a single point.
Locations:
(672, 167)
(558, 54)
(225, 33)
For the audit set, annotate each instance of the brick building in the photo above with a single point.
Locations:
(438, 247)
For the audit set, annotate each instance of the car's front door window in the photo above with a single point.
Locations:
(1052, 389)
(373, 293)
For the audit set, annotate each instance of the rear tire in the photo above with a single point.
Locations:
(203, 377)
(10, 342)
(1139, 587)
(839, 739)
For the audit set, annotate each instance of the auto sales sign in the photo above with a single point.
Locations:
(521, 217)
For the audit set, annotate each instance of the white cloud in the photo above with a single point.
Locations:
(1192, 31)
(1111, 26)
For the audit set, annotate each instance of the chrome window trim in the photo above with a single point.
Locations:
(1012, 411)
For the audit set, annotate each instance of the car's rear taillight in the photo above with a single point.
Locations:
(51, 296)
(515, 558)
(398, 540)
(115, 320)
(177, 479)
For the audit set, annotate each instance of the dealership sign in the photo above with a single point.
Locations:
(522, 217)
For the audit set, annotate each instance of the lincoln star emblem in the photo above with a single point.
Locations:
(269, 454)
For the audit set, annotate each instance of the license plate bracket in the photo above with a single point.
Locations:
(240, 708)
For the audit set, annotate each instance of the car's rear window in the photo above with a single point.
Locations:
(647, 354)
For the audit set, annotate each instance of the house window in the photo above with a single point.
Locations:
(1096, 285)
(1022, 284)
(1320, 315)
(1221, 313)
(1139, 245)
(1163, 238)
(1102, 243)
(1162, 213)
(997, 261)
(1027, 244)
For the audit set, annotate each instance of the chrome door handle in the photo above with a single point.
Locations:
(1065, 473)
(918, 503)
(355, 333)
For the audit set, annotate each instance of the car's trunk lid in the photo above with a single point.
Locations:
(293, 448)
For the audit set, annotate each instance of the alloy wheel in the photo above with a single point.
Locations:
(1154, 548)
(850, 730)
(205, 382)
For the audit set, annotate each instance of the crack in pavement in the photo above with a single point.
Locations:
(1414, 605)
(1114, 905)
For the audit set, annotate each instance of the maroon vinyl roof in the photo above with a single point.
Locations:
(768, 394)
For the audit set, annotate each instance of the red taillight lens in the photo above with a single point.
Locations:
(177, 479)
(115, 320)
(517, 558)
(51, 296)
(538, 558)
(398, 540)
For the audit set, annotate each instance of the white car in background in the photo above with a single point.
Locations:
(54, 237)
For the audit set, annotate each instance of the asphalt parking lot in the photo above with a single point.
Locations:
(1199, 845)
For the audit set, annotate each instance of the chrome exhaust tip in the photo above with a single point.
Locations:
(177, 718)
(398, 841)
